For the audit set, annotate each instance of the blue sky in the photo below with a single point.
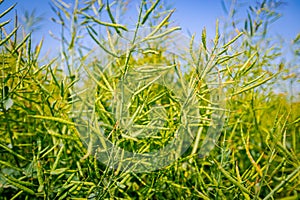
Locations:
(191, 15)
(195, 14)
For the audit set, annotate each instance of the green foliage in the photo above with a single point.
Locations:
(42, 152)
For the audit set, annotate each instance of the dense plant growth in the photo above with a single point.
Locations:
(145, 81)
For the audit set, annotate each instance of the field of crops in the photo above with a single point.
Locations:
(142, 111)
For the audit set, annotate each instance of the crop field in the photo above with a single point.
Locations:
(136, 109)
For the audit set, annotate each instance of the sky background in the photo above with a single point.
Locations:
(191, 15)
